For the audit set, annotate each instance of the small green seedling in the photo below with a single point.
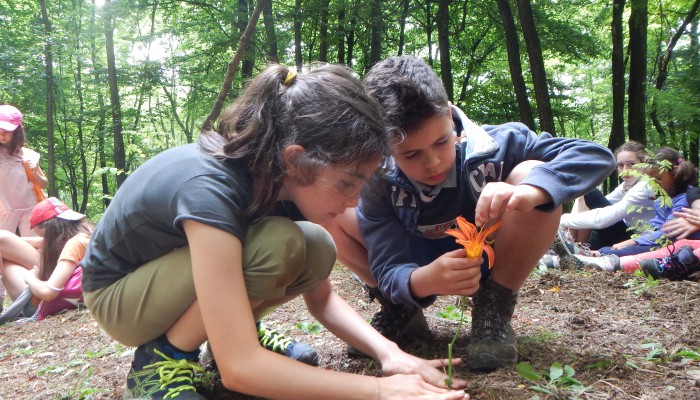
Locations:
(453, 313)
(310, 327)
(559, 382)
(686, 356)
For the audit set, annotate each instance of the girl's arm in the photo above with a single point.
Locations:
(48, 290)
(247, 367)
(342, 320)
(35, 241)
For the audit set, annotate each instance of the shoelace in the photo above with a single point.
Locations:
(176, 371)
(272, 340)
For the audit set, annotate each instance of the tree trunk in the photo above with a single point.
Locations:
(51, 157)
(248, 62)
(516, 71)
(693, 140)
(443, 26)
(323, 34)
(636, 108)
(119, 153)
(351, 33)
(340, 33)
(617, 130)
(298, 56)
(100, 125)
(377, 29)
(539, 76)
(269, 20)
(405, 6)
(232, 67)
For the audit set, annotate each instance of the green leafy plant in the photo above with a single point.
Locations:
(310, 327)
(686, 356)
(640, 286)
(453, 313)
(558, 382)
(450, 367)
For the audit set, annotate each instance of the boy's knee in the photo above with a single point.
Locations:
(521, 171)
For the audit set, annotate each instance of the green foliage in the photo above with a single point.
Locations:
(558, 382)
(454, 313)
(640, 286)
(685, 356)
(310, 327)
(76, 375)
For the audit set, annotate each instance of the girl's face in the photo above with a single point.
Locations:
(626, 161)
(665, 179)
(5, 137)
(334, 189)
(427, 154)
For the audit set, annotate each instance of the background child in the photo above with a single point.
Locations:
(200, 243)
(605, 220)
(17, 196)
(446, 166)
(47, 266)
(675, 176)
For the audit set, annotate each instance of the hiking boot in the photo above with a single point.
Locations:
(396, 322)
(606, 262)
(677, 266)
(277, 342)
(159, 371)
(492, 343)
(549, 261)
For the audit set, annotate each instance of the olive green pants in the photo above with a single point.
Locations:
(281, 258)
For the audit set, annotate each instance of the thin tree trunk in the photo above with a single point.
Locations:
(119, 153)
(636, 108)
(248, 62)
(405, 6)
(298, 56)
(323, 34)
(443, 26)
(516, 71)
(539, 76)
(377, 29)
(100, 125)
(48, 52)
(693, 141)
(270, 33)
(351, 33)
(232, 67)
(617, 130)
(340, 33)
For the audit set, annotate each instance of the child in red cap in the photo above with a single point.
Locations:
(47, 266)
(21, 177)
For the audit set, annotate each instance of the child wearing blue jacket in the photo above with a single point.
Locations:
(445, 166)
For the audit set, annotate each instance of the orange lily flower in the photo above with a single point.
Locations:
(473, 239)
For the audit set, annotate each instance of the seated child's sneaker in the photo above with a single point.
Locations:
(677, 266)
(606, 262)
(275, 341)
(159, 371)
(492, 343)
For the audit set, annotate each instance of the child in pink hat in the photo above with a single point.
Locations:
(21, 177)
(46, 267)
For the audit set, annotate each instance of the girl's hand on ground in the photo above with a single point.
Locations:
(413, 387)
(430, 370)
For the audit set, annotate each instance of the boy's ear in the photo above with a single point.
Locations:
(289, 156)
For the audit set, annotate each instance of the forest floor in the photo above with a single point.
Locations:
(621, 336)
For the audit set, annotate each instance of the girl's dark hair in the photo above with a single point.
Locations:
(634, 147)
(57, 232)
(18, 140)
(684, 172)
(409, 90)
(325, 111)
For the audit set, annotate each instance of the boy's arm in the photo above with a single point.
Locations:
(388, 248)
(571, 168)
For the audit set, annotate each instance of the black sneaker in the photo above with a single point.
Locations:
(396, 322)
(155, 374)
(492, 343)
(677, 266)
(277, 342)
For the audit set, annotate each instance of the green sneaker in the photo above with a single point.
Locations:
(277, 342)
(492, 343)
(155, 375)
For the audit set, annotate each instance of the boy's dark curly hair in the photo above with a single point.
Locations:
(409, 90)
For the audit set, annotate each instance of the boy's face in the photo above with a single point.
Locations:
(427, 155)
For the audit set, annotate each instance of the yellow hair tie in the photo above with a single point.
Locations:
(289, 78)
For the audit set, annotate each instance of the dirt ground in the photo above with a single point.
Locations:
(619, 335)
